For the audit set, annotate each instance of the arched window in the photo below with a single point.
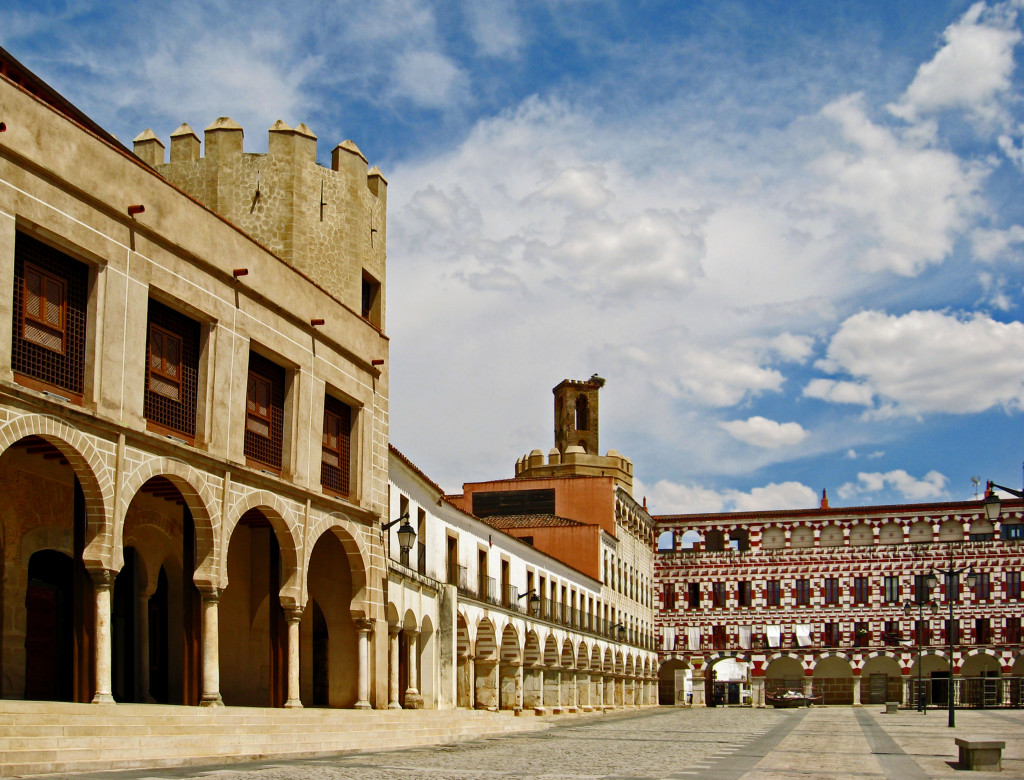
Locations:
(582, 414)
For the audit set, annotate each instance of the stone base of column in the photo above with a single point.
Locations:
(588, 708)
(211, 701)
(362, 705)
(394, 706)
(293, 704)
(557, 710)
(539, 711)
(413, 700)
(103, 698)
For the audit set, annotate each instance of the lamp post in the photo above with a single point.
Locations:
(951, 574)
(908, 608)
(406, 536)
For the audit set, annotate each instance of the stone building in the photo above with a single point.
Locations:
(468, 628)
(836, 602)
(193, 414)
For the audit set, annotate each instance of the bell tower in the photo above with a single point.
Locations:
(576, 414)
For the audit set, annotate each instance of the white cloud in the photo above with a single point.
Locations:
(792, 347)
(667, 497)
(990, 245)
(762, 432)
(909, 200)
(930, 487)
(970, 71)
(718, 377)
(927, 361)
(495, 27)
(840, 392)
(429, 79)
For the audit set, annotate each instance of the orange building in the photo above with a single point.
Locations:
(577, 506)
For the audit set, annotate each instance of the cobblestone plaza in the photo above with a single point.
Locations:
(719, 744)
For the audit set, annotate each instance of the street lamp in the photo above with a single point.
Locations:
(534, 602)
(908, 608)
(406, 536)
(950, 574)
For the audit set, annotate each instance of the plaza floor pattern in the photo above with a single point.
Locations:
(672, 744)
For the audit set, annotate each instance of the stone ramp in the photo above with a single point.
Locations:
(60, 738)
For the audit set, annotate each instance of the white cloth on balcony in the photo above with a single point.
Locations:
(803, 634)
(774, 634)
(693, 637)
(745, 635)
(669, 638)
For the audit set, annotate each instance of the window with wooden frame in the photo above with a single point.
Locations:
(43, 315)
(172, 371)
(264, 412)
(336, 457)
(50, 298)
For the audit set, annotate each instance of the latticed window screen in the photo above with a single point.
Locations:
(264, 403)
(336, 462)
(50, 295)
(172, 371)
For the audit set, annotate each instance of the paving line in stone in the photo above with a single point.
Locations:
(895, 762)
(743, 761)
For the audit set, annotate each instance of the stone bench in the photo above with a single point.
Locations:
(891, 707)
(981, 754)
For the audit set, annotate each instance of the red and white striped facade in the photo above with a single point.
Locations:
(815, 596)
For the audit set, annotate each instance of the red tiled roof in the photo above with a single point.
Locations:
(528, 521)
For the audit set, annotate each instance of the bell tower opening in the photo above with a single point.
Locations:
(576, 414)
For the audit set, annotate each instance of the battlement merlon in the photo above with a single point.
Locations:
(223, 140)
(577, 462)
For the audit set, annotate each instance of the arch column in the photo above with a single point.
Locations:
(609, 692)
(757, 691)
(103, 582)
(211, 648)
(364, 627)
(293, 616)
(142, 621)
(412, 699)
(856, 690)
(393, 702)
(533, 688)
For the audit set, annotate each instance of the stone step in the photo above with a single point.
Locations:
(48, 737)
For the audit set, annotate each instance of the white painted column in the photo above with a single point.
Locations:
(856, 690)
(393, 702)
(364, 627)
(103, 582)
(211, 649)
(413, 700)
(293, 615)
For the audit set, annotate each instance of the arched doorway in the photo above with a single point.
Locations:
(784, 673)
(157, 608)
(833, 680)
(486, 663)
(675, 683)
(47, 596)
(328, 640)
(980, 681)
(510, 670)
(252, 629)
(881, 680)
(464, 665)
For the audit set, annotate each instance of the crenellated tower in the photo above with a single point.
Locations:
(576, 450)
(329, 223)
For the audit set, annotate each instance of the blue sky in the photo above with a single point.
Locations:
(789, 234)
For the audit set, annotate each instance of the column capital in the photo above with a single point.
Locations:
(103, 579)
(210, 594)
(394, 630)
(364, 625)
(294, 614)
